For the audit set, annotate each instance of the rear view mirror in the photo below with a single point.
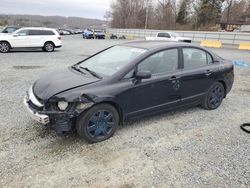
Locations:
(143, 75)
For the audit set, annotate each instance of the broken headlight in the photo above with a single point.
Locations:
(62, 105)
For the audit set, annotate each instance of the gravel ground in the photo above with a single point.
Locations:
(185, 148)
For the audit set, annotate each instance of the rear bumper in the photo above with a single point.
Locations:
(41, 118)
(88, 36)
(101, 37)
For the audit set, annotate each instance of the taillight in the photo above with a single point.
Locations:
(59, 38)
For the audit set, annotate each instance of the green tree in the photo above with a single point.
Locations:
(183, 13)
(247, 12)
(209, 12)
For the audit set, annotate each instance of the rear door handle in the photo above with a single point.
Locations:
(208, 72)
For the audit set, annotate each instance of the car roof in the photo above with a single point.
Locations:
(38, 28)
(154, 44)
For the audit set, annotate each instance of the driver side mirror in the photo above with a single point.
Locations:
(143, 75)
(15, 35)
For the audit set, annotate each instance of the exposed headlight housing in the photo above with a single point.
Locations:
(83, 106)
(62, 105)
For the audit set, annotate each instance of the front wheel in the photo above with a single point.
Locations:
(98, 124)
(214, 96)
(4, 47)
(48, 47)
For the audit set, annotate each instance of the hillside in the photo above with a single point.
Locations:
(50, 21)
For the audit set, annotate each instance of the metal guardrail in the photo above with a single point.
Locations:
(229, 38)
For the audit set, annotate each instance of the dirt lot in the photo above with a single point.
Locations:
(185, 148)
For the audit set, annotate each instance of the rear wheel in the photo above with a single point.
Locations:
(214, 96)
(48, 47)
(98, 123)
(4, 47)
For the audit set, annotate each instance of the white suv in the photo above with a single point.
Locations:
(31, 37)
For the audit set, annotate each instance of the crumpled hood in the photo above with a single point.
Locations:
(60, 81)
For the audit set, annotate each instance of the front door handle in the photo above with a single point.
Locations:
(173, 78)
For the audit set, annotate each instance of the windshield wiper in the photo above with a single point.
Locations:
(77, 69)
(91, 72)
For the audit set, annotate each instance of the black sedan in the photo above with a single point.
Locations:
(128, 81)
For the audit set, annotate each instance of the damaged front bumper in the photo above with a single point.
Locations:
(41, 118)
(61, 121)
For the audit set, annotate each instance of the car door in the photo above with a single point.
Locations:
(20, 39)
(160, 91)
(37, 37)
(197, 73)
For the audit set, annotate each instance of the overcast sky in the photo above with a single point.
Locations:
(79, 8)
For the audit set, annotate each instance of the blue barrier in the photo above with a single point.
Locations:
(240, 64)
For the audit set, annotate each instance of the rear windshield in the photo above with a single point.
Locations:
(163, 35)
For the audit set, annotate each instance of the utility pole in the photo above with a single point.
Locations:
(148, 3)
(175, 12)
(230, 2)
(146, 22)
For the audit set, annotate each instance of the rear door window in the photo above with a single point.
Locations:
(194, 57)
(48, 32)
(34, 32)
(41, 32)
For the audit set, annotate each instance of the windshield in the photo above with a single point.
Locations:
(9, 29)
(175, 35)
(111, 60)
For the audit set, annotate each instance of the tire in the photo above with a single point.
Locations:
(214, 96)
(4, 47)
(98, 124)
(49, 47)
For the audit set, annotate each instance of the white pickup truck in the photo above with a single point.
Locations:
(170, 36)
